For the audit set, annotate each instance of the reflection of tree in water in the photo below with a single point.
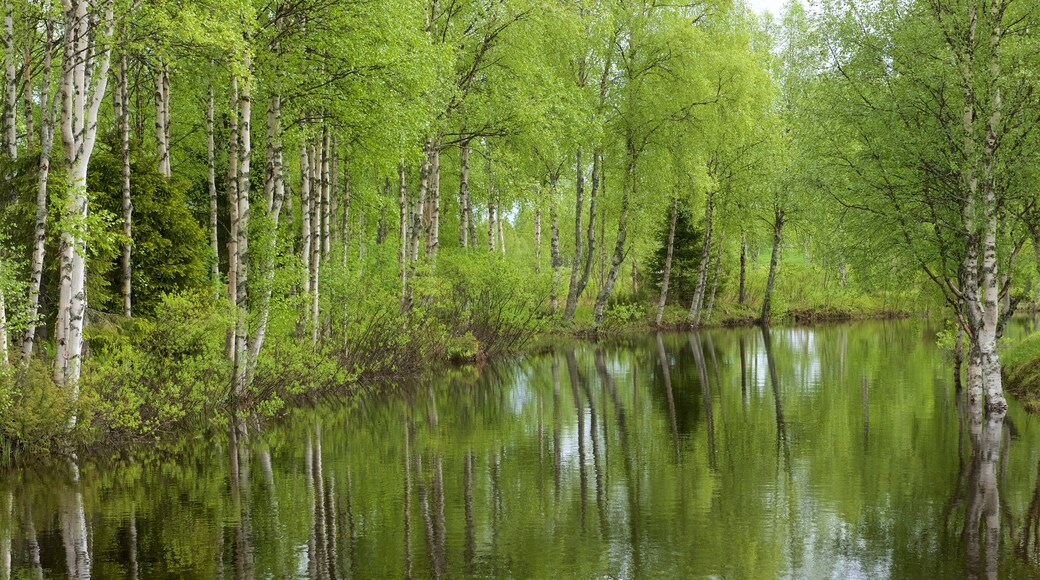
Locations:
(978, 491)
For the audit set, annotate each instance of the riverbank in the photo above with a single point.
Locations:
(1021, 371)
(159, 378)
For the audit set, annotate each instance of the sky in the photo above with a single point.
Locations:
(774, 6)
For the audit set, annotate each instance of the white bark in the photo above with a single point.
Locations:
(326, 191)
(211, 182)
(10, 83)
(433, 241)
(666, 275)
(242, 294)
(84, 81)
(315, 209)
(464, 205)
(123, 121)
(702, 274)
(162, 117)
(402, 202)
(305, 211)
(4, 355)
(501, 230)
(43, 175)
(232, 186)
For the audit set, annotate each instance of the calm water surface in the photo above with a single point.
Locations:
(831, 452)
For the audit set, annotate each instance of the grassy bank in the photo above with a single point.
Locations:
(1021, 370)
(163, 375)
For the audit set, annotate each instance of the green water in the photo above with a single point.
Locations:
(830, 452)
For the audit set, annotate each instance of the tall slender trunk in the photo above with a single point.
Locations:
(615, 262)
(490, 204)
(123, 120)
(537, 239)
(492, 232)
(419, 214)
(274, 196)
(990, 277)
(742, 292)
(338, 225)
(4, 354)
(305, 211)
(433, 239)
(501, 228)
(619, 245)
(10, 84)
(464, 207)
(211, 182)
(705, 262)
(10, 139)
(346, 211)
(43, 175)
(162, 117)
(666, 275)
(243, 291)
(579, 209)
(402, 203)
(232, 191)
(315, 209)
(714, 279)
(326, 194)
(774, 260)
(555, 261)
(84, 81)
(590, 253)
(27, 97)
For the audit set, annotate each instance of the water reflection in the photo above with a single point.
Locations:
(625, 458)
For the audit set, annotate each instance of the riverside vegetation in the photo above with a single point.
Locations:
(210, 205)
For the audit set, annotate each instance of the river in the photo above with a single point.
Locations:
(837, 451)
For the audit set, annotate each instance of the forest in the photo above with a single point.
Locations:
(245, 203)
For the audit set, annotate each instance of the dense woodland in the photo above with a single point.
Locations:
(243, 202)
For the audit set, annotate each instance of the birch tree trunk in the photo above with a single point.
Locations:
(492, 231)
(590, 253)
(242, 294)
(305, 212)
(619, 255)
(464, 206)
(434, 240)
(579, 209)
(990, 278)
(27, 97)
(702, 273)
(232, 186)
(43, 175)
(326, 192)
(402, 202)
(316, 245)
(742, 292)
(554, 247)
(123, 120)
(714, 279)
(162, 117)
(537, 239)
(84, 81)
(211, 182)
(346, 213)
(501, 228)
(774, 260)
(666, 275)
(10, 84)
(274, 195)
(418, 215)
